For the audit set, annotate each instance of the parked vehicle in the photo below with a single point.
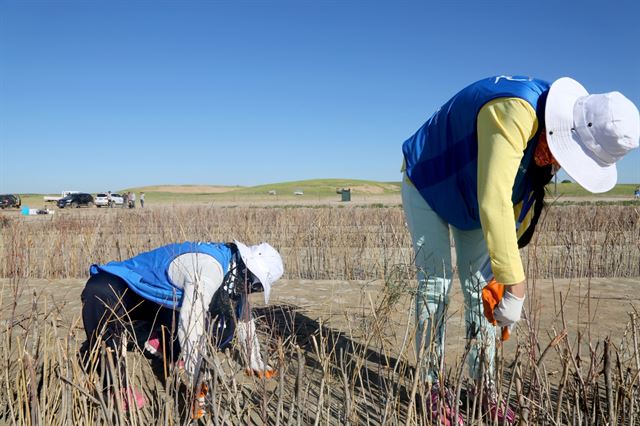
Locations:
(56, 198)
(76, 200)
(10, 200)
(102, 199)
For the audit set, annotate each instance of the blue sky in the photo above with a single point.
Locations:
(98, 95)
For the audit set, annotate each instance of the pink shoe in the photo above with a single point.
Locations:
(132, 395)
(441, 412)
(153, 346)
(502, 413)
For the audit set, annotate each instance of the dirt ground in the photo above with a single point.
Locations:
(597, 308)
(342, 311)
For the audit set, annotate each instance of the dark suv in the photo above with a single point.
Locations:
(10, 200)
(76, 200)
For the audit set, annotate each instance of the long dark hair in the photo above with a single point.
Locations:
(540, 177)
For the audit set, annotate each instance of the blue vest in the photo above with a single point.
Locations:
(148, 273)
(442, 156)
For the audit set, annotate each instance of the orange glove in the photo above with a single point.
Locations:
(267, 374)
(198, 407)
(491, 295)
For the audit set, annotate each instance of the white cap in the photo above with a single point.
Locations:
(587, 134)
(264, 262)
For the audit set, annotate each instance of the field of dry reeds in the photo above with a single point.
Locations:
(316, 242)
(362, 372)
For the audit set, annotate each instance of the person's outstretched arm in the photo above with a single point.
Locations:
(250, 345)
(200, 276)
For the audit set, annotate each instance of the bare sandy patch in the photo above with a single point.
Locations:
(373, 189)
(329, 344)
(599, 307)
(193, 189)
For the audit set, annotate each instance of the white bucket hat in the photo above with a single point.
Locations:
(587, 134)
(264, 262)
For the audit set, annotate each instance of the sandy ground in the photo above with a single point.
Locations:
(597, 308)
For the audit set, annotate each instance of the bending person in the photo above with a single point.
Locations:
(187, 289)
(477, 170)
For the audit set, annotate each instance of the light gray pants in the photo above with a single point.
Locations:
(431, 242)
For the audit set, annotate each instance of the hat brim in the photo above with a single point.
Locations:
(565, 144)
(256, 268)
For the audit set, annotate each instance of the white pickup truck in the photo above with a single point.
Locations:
(55, 198)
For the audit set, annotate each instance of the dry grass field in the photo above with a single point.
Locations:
(339, 329)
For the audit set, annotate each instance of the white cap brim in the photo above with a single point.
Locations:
(564, 143)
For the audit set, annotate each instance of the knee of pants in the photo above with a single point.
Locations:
(432, 267)
(433, 290)
(473, 301)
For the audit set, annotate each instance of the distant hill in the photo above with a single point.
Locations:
(328, 187)
(320, 189)
(570, 189)
(324, 187)
(315, 187)
(186, 189)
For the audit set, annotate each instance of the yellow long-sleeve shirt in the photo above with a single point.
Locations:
(505, 125)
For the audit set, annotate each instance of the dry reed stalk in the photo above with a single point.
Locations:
(331, 382)
(330, 358)
(317, 243)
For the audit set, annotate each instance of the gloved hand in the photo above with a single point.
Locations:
(251, 347)
(508, 311)
(198, 406)
(259, 368)
(495, 309)
(491, 295)
(267, 372)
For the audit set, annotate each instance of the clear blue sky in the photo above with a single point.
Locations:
(98, 95)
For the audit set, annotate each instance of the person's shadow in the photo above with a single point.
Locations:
(367, 369)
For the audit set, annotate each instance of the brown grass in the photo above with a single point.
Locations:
(316, 243)
(359, 374)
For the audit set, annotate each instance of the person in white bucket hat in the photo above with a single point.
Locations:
(476, 170)
(198, 289)
(264, 262)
